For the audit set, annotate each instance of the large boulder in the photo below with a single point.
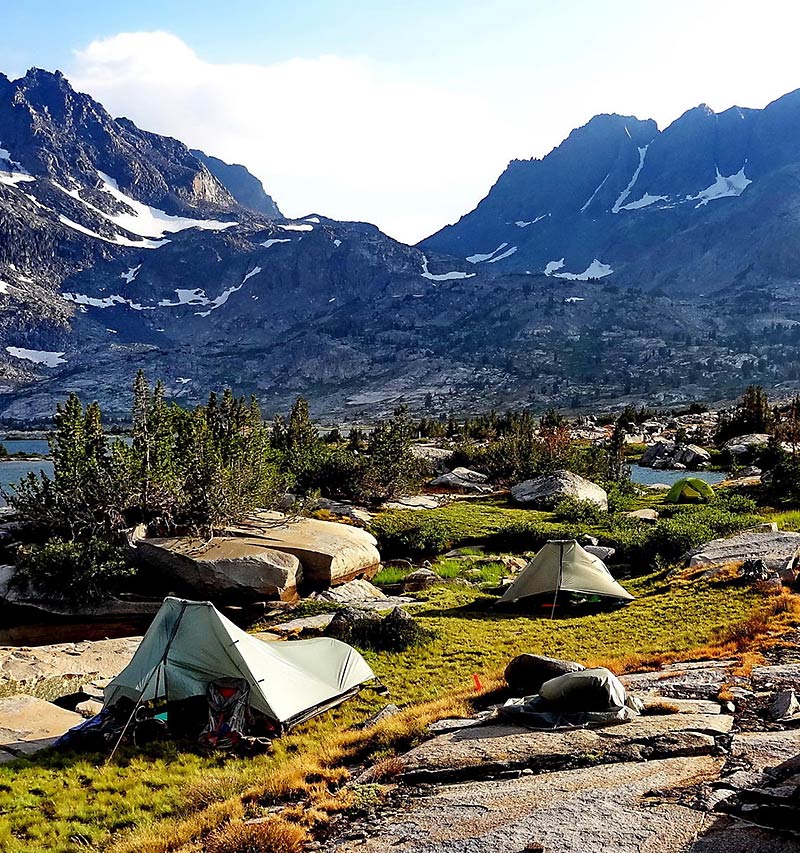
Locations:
(526, 673)
(232, 568)
(745, 445)
(547, 491)
(462, 480)
(776, 550)
(669, 454)
(329, 553)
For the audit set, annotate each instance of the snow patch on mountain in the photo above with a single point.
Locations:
(506, 254)
(645, 201)
(254, 271)
(446, 276)
(521, 223)
(104, 302)
(627, 191)
(267, 243)
(149, 221)
(195, 296)
(38, 356)
(118, 239)
(723, 187)
(11, 172)
(596, 269)
(226, 294)
(552, 266)
(131, 274)
(477, 259)
(294, 227)
(597, 190)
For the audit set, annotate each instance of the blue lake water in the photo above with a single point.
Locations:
(648, 476)
(13, 472)
(26, 445)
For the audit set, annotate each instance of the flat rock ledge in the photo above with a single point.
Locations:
(681, 778)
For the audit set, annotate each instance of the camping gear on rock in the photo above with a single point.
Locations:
(526, 673)
(562, 565)
(589, 698)
(191, 645)
(690, 490)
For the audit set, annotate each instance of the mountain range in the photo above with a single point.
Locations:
(630, 264)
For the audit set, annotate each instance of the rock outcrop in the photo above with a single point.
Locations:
(669, 454)
(28, 724)
(462, 480)
(547, 491)
(776, 549)
(329, 553)
(62, 668)
(746, 445)
(228, 568)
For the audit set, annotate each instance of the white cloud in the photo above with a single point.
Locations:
(331, 135)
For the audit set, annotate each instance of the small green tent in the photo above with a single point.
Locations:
(191, 644)
(690, 490)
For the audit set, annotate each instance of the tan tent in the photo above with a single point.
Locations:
(563, 566)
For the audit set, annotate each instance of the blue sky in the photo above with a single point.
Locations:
(400, 113)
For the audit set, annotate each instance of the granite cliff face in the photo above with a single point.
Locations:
(121, 249)
(710, 201)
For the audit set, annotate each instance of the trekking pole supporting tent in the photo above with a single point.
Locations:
(156, 669)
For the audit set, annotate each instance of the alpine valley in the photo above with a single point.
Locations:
(630, 264)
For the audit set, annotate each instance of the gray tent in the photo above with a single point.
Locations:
(191, 644)
(562, 565)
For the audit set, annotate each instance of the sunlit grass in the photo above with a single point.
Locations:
(171, 797)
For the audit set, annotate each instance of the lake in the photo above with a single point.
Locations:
(38, 446)
(12, 472)
(648, 476)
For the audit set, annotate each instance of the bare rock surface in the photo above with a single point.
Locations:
(415, 502)
(498, 748)
(547, 491)
(55, 670)
(228, 567)
(329, 553)
(462, 480)
(28, 724)
(618, 807)
(694, 680)
(775, 549)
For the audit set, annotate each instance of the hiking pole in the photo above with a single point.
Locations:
(154, 671)
(558, 582)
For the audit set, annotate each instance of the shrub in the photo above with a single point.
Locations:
(402, 536)
(78, 572)
(578, 512)
(528, 536)
(393, 633)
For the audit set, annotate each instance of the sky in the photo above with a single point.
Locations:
(400, 113)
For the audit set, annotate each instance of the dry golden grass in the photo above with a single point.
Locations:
(661, 707)
(311, 784)
(273, 835)
(175, 833)
(387, 768)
